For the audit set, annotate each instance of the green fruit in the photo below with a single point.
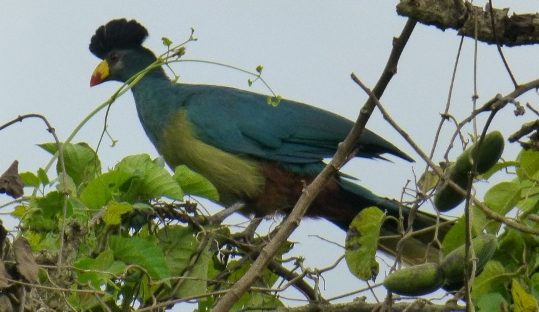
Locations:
(453, 264)
(488, 155)
(416, 280)
(446, 198)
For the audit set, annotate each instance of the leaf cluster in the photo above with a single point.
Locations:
(129, 238)
(510, 278)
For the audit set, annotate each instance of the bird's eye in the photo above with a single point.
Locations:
(113, 57)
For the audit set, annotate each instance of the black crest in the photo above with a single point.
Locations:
(117, 34)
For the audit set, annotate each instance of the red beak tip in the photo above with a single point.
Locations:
(95, 80)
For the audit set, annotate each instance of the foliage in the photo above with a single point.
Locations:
(130, 238)
(510, 277)
(133, 236)
(362, 243)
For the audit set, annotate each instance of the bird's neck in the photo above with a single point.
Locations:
(156, 99)
(154, 76)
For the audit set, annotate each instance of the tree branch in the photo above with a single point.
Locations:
(498, 102)
(362, 306)
(310, 192)
(515, 30)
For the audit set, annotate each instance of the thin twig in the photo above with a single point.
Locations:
(294, 279)
(475, 95)
(498, 46)
(469, 267)
(494, 104)
(32, 285)
(445, 114)
(221, 215)
(535, 111)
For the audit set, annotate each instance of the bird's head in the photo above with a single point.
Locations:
(119, 45)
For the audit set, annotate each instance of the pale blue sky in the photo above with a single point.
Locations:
(308, 50)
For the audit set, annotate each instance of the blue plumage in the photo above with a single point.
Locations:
(252, 152)
(242, 122)
(292, 132)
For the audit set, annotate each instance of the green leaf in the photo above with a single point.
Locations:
(428, 181)
(166, 41)
(180, 52)
(66, 185)
(19, 211)
(492, 302)
(99, 271)
(136, 164)
(101, 189)
(33, 238)
(81, 161)
(522, 300)
(159, 161)
(197, 276)
(205, 304)
(134, 178)
(178, 244)
(143, 206)
(529, 197)
(29, 179)
(497, 167)
(274, 100)
(362, 243)
(141, 252)
(528, 164)
(80, 211)
(252, 300)
(511, 249)
(43, 241)
(493, 279)
(51, 205)
(37, 222)
(42, 174)
(113, 213)
(195, 184)
(257, 302)
(152, 180)
(455, 237)
(481, 222)
(50, 243)
(49, 147)
(501, 198)
(534, 281)
(238, 268)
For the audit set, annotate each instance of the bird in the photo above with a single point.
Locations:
(252, 152)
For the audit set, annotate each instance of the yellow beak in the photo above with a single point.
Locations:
(101, 72)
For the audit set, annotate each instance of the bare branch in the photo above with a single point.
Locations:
(494, 104)
(515, 30)
(310, 192)
(362, 306)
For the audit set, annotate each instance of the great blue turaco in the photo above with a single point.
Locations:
(254, 153)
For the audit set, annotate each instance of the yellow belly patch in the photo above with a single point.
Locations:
(233, 176)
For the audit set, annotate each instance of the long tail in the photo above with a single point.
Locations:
(416, 249)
